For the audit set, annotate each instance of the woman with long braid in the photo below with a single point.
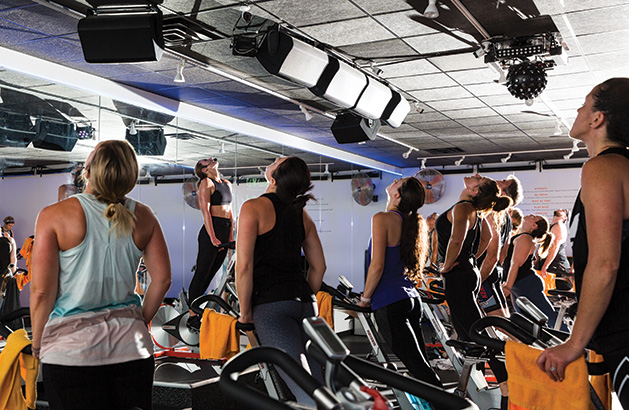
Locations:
(398, 249)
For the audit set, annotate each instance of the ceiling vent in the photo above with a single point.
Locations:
(182, 31)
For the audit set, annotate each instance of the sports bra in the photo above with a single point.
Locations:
(222, 194)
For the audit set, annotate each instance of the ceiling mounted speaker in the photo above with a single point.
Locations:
(348, 128)
(291, 58)
(148, 142)
(55, 135)
(122, 37)
(526, 80)
(16, 129)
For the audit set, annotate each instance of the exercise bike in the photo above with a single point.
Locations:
(344, 387)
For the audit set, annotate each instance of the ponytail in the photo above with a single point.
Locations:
(544, 246)
(545, 235)
(198, 171)
(414, 245)
(113, 173)
(488, 198)
(502, 203)
(292, 179)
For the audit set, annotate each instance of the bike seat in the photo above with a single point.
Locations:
(470, 349)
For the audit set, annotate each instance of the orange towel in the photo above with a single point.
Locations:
(218, 337)
(27, 253)
(530, 388)
(324, 301)
(15, 367)
(602, 384)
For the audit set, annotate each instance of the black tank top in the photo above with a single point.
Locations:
(613, 330)
(222, 194)
(444, 231)
(277, 273)
(527, 267)
(560, 264)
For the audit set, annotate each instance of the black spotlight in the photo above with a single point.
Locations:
(148, 141)
(526, 80)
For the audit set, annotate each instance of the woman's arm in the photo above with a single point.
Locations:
(522, 248)
(493, 248)
(485, 236)
(157, 263)
(13, 255)
(245, 245)
(45, 273)
(460, 225)
(604, 237)
(205, 192)
(378, 250)
(314, 254)
(435, 247)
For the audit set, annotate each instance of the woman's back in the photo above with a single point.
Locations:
(444, 231)
(99, 272)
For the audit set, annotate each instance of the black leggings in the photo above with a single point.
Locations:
(462, 285)
(399, 323)
(122, 386)
(209, 257)
(618, 366)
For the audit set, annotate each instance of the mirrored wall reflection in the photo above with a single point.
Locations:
(48, 130)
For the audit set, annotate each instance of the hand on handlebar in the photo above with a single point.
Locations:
(443, 269)
(363, 304)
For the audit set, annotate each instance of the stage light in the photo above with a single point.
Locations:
(526, 80)
(179, 78)
(340, 83)
(221, 150)
(373, 100)
(291, 58)
(423, 165)
(396, 110)
(558, 130)
(505, 159)
(458, 162)
(431, 12)
(132, 128)
(407, 153)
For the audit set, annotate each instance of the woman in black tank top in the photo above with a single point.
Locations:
(601, 246)
(522, 280)
(458, 234)
(214, 195)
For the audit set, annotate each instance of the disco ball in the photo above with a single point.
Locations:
(526, 80)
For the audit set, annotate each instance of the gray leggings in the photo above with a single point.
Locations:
(278, 324)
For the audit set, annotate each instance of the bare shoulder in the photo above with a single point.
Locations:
(65, 210)
(258, 204)
(144, 213)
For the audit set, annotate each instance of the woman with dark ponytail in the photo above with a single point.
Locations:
(601, 243)
(521, 278)
(397, 254)
(215, 198)
(273, 229)
(458, 237)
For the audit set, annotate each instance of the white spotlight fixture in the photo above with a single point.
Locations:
(575, 146)
(1, 100)
(431, 12)
(558, 130)
(505, 159)
(417, 107)
(376, 70)
(132, 129)
(423, 166)
(221, 150)
(179, 76)
(306, 113)
(407, 153)
(568, 155)
(458, 162)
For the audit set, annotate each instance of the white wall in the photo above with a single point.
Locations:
(344, 225)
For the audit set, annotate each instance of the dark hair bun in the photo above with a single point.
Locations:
(502, 203)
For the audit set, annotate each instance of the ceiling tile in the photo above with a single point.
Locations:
(404, 24)
(379, 6)
(597, 21)
(476, 76)
(457, 104)
(419, 82)
(303, 13)
(442, 93)
(343, 33)
(432, 43)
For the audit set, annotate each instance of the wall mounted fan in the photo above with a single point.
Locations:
(362, 189)
(434, 183)
(189, 190)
